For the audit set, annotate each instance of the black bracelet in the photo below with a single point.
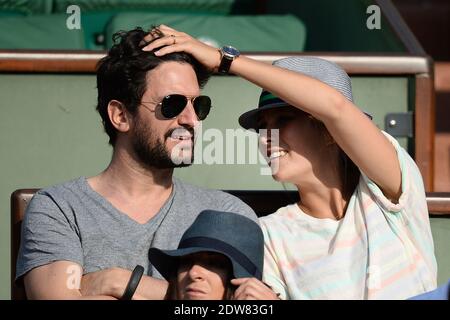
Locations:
(133, 283)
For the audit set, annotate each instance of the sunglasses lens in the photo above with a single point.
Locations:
(173, 105)
(202, 105)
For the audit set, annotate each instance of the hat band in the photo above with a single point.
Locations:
(221, 246)
(268, 98)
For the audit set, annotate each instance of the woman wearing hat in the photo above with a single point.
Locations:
(219, 257)
(361, 228)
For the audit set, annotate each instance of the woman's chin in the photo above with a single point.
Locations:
(278, 173)
(283, 176)
(195, 297)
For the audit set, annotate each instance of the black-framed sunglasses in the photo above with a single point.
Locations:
(173, 104)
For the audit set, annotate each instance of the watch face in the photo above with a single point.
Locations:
(229, 50)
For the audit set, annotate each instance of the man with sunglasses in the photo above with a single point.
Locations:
(82, 239)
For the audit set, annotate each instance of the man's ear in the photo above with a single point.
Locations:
(119, 116)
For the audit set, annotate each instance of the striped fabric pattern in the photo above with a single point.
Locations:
(320, 69)
(379, 250)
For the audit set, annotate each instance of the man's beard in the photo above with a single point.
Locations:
(152, 152)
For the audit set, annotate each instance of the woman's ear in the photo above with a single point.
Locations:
(329, 141)
(119, 116)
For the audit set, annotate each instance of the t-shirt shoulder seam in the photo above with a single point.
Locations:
(66, 185)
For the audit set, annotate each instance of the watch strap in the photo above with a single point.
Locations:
(225, 64)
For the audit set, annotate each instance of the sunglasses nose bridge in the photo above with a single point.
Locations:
(188, 114)
(190, 101)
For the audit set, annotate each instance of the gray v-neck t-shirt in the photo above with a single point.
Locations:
(72, 222)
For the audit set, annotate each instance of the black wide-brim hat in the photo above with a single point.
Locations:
(237, 237)
(320, 69)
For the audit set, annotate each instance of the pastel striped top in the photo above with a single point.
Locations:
(379, 250)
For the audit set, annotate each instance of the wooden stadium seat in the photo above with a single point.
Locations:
(262, 202)
(19, 202)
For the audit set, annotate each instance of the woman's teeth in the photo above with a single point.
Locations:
(277, 154)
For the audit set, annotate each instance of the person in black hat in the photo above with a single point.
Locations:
(361, 228)
(219, 257)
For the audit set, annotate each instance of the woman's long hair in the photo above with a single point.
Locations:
(349, 173)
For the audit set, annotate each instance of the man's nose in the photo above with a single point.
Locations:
(188, 117)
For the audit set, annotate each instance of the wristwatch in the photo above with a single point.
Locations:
(228, 54)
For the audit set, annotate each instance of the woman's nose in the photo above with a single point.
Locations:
(196, 271)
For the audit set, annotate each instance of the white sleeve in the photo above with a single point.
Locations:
(271, 273)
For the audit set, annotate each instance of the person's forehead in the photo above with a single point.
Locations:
(272, 113)
(173, 77)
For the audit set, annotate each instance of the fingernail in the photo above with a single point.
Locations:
(157, 53)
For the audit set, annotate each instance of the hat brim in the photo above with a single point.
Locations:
(167, 261)
(249, 120)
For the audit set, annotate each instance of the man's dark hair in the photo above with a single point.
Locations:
(121, 75)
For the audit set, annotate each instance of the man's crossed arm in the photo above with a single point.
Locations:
(65, 280)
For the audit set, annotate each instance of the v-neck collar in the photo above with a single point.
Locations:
(82, 181)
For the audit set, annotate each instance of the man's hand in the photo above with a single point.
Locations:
(110, 282)
(113, 281)
(252, 289)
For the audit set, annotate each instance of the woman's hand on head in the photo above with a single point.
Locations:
(176, 41)
(252, 289)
